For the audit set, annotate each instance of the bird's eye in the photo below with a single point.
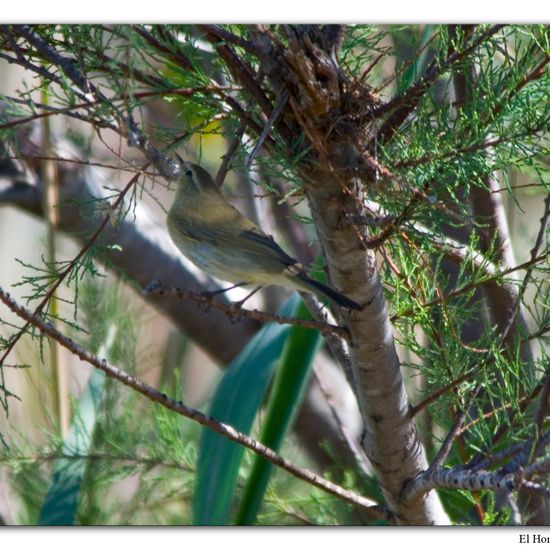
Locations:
(189, 173)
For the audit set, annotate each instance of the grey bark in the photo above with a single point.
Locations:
(390, 439)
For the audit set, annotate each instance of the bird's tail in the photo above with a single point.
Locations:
(319, 288)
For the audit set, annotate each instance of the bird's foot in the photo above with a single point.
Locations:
(234, 311)
(206, 301)
(236, 307)
(154, 287)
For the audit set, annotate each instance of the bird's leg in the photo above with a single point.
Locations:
(235, 307)
(204, 306)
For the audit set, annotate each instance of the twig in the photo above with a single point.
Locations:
(351, 442)
(65, 64)
(222, 34)
(241, 71)
(27, 64)
(72, 263)
(149, 462)
(544, 401)
(395, 224)
(471, 286)
(155, 287)
(82, 162)
(451, 436)
(538, 244)
(51, 111)
(448, 387)
(336, 345)
(536, 73)
(539, 467)
(406, 102)
(173, 55)
(482, 463)
(535, 488)
(226, 159)
(204, 420)
(457, 151)
(451, 248)
(267, 128)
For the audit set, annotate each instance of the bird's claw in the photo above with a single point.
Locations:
(234, 311)
(154, 287)
(206, 301)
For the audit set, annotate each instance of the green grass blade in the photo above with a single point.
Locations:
(238, 398)
(63, 495)
(414, 70)
(290, 381)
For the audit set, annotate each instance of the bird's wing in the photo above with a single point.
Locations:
(250, 238)
(236, 233)
(263, 244)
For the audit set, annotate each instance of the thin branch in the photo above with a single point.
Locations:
(538, 243)
(535, 488)
(71, 264)
(63, 63)
(459, 478)
(234, 313)
(226, 36)
(397, 73)
(482, 463)
(472, 286)
(149, 462)
(539, 467)
(351, 442)
(226, 159)
(81, 162)
(451, 436)
(544, 402)
(336, 344)
(445, 389)
(267, 128)
(535, 74)
(27, 64)
(409, 99)
(173, 55)
(241, 71)
(473, 148)
(451, 248)
(204, 420)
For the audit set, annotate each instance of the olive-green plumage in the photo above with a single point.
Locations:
(216, 237)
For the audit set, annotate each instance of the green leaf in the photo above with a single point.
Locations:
(417, 66)
(62, 499)
(285, 397)
(238, 398)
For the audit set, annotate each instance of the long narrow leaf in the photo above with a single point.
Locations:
(61, 502)
(417, 66)
(290, 381)
(238, 398)
(62, 499)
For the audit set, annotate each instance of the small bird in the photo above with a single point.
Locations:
(218, 239)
